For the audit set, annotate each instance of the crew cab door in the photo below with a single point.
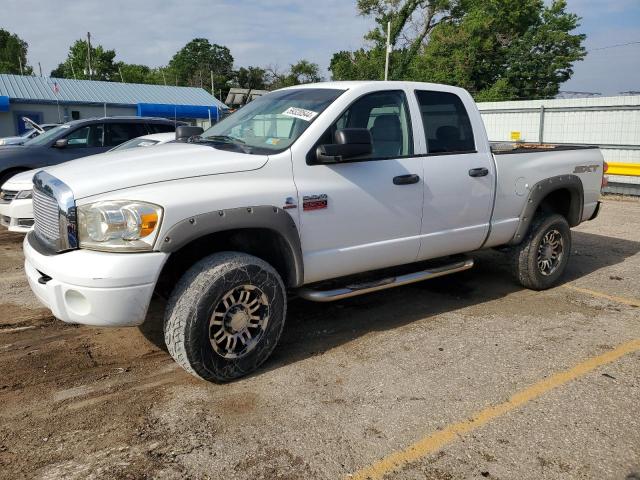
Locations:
(354, 216)
(459, 174)
(118, 133)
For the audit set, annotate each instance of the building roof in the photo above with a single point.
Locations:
(43, 89)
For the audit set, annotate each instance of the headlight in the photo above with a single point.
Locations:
(119, 225)
(2, 142)
(24, 194)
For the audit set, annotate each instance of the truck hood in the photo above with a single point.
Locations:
(112, 171)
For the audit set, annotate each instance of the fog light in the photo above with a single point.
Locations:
(77, 302)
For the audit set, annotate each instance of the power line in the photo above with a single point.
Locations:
(615, 46)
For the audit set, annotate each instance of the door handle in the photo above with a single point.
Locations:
(406, 179)
(479, 172)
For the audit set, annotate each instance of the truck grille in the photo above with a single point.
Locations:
(7, 195)
(54, 212)
(47, 217)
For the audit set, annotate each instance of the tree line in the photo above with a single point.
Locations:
(199, 63)
(496, 49)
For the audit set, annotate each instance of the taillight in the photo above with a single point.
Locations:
(605, 167)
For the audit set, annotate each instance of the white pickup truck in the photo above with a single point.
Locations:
(323, 191)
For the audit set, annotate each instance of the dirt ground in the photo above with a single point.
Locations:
(350, 383)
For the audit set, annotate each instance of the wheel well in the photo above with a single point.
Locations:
(562, 194)
(557, 202)
(564, 202)
(263, 243)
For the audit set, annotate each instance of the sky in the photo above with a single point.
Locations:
(280, 32)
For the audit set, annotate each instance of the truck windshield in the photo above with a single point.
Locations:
(270, 124)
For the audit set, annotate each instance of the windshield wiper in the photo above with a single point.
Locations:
(223, 138)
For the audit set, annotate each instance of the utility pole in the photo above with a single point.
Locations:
(40, 67)
(121, 77)
(212, 89)
(73, 70)
(163, 77)
(20, 60)
(386, 63)
(89, 52)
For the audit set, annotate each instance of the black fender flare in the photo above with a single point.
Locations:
(540, 191)
(263, 216)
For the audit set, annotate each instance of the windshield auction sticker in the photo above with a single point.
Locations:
(301, 113)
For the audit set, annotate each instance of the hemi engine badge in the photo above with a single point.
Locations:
(314, 202)
(289, 203)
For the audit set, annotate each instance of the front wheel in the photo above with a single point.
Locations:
(225, 316)
(540, 260)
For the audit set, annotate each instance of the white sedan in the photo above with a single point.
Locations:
(16, 207)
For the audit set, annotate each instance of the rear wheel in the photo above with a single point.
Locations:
(225, 316)
(540, 260)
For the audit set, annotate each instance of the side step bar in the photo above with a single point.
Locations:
(390, 282)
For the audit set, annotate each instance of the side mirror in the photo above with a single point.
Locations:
(185, 132)
(350, 143)
(61, 143)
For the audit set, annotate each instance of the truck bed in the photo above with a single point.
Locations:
(521, 166)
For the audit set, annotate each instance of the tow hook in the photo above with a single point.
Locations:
(44, 279)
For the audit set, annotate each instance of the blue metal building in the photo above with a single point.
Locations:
(58, 100)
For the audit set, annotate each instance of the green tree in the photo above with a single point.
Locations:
(135, 73)
(300, 72)
(497, 49)
(13, 52)
(76, 64)
(251, 77)
(192, 64)
(359, 65)
(304, 71)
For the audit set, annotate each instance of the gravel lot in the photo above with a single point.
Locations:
(351, 383)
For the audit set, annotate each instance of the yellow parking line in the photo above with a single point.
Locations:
(626, 301)
(448, 434)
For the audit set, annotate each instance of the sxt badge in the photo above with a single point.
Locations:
(586, 168)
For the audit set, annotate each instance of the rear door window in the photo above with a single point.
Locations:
(446, 123)
(118, 133)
